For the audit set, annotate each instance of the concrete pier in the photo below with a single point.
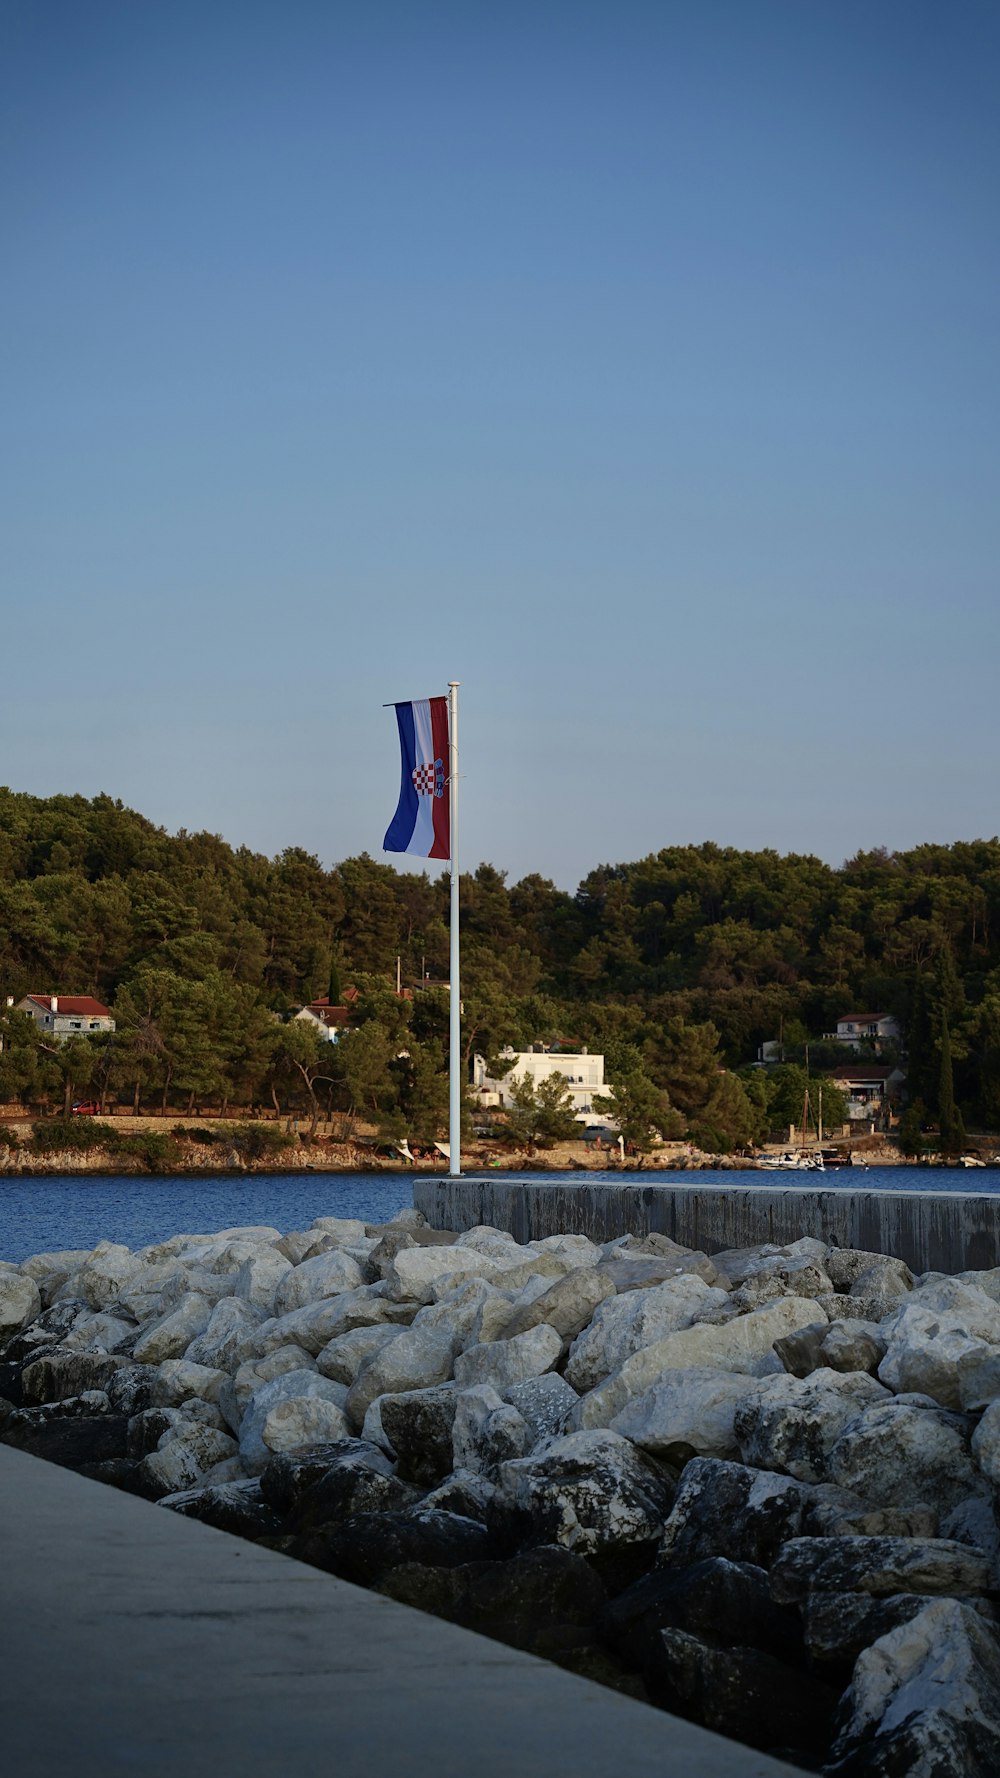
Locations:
(136, 1641)
(931, 1231)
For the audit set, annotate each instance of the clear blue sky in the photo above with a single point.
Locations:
(635, 364)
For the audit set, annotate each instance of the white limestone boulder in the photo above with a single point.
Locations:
(259, 1276)
(171, 1335)
(329, 1274)
(567, 1305)
(20, 1302)
(183, 1457)
(343, 1357)
(475, 1310)
(486, 1432)
(425, 1274)
(297, 1408)
(502, 1363)
(179, 1380)
(232, 1320)
(236, 1391)
(924, 1700)
(622, 1325)
(742, 1345)
(687, 1413)
(97, 1330)
(107, 1270)
(415, 1360)
(544, 1404)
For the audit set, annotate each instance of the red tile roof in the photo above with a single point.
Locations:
(78, 1005)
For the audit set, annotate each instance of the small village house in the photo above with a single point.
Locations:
(63, 1016)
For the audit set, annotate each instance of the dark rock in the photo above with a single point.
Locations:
(877, 1565)
(71, 1433)
(837, 1626)
(115, 1472)
(588, 1491)
(800, 1351)
(418, 1425)
(365, 1549)
(45, 1332)
(741, 1692)
(469, 1495)
(728, 1509)
(10, 1384)
(288, 1475)
(516, 1602)
(146, 1429)
(348, 1487)
(714, 1598)
(131, 1389)
(60, 1375)
(236, 1507)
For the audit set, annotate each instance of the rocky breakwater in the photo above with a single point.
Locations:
(758, 1490)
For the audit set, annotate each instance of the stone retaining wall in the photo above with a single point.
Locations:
(931, 1231)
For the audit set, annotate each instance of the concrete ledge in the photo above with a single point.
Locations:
(931, 1231)
(136, 1641)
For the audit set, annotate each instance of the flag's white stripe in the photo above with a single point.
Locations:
(422, 837)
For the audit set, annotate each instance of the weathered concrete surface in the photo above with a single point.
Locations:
(931, 1231)
(135, 1640)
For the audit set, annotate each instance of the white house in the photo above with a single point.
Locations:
(856, 1028)
(582, 1073)
(66, 1015)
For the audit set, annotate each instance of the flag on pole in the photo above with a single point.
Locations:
(420, 825)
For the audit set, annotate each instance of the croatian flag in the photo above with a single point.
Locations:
(420, 824)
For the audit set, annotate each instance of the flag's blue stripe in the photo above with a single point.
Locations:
(400, 831)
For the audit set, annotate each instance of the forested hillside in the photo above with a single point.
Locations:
(678, 962)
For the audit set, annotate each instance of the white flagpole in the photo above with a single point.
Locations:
(455, 1008)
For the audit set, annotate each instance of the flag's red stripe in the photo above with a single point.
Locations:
(442, 804)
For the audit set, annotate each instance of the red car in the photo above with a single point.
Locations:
(86, 1108)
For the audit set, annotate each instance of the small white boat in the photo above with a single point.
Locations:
(791, 1163)
(970, 1160)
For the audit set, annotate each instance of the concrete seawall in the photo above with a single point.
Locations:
(135, 1641)
(931, 1231)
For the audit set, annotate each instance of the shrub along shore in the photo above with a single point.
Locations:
(758, 1490)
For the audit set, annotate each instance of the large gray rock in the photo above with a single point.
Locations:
(183, 1457)
(288, 1475)
(20, 1302)
(837, 1626)
(424, 1274)
(624, 1324)
(417, 1360)
(98, 1330)
(986, 1444)
(487, 1432)
(235, 1393)
(298, 1408)
(877, 1565)
(103, 1276)
(229, 1324)
(62, 1374)
(258, 1276)
(544, 1403)
(726, 1509)
(741, 1263)
(171, 1335)
(342, 1359)
(793, 1423)
(927, 1339)
(236, 1507)
(847, 1264)
(905, 1452)
(474, 1311)
(924, 1701)
(502, 1363)
(687, 1413)
(589, 1491)
(741, 1692)
(178, 1380)
(743, 1345)
(418, 1426)
(315, 1325)
(853, 1345)
(329, 1274)
(567, 1305)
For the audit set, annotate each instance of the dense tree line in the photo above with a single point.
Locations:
(681, 963)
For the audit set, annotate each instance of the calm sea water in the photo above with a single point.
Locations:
(77, 1210)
